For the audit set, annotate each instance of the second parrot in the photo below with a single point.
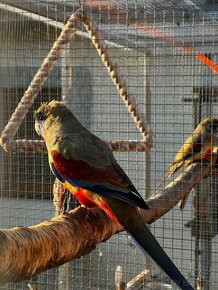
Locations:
(197, 147)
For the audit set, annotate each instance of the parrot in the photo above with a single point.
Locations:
(198, 147)
(88, 169)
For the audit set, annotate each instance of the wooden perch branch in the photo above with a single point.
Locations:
(27, 251)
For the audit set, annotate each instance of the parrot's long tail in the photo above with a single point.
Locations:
(149, 245)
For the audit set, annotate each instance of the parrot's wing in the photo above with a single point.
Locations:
(191, 147)
(106, 179)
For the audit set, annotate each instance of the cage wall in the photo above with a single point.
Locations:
(155, 47)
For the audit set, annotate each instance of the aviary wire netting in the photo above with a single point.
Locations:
(163, 54)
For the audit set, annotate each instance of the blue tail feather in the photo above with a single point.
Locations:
(150, 246)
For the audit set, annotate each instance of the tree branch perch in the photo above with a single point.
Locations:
(27, 251)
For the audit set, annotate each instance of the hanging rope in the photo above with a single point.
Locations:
(120, 83)
(38, 146)
(41, 76)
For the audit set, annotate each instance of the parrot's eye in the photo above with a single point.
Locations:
(40, 117)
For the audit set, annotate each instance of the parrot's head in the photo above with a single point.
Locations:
(211, 125)
(49, 115)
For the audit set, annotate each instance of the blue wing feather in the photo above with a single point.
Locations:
(103, 190)
(56, 173)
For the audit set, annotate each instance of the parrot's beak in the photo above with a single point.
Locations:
(38, 128)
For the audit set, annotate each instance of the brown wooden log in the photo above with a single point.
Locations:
(27, 251)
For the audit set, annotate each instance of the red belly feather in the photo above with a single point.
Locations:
(207, 155)
(85, 197)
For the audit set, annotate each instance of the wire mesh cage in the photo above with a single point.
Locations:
(141, 75)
